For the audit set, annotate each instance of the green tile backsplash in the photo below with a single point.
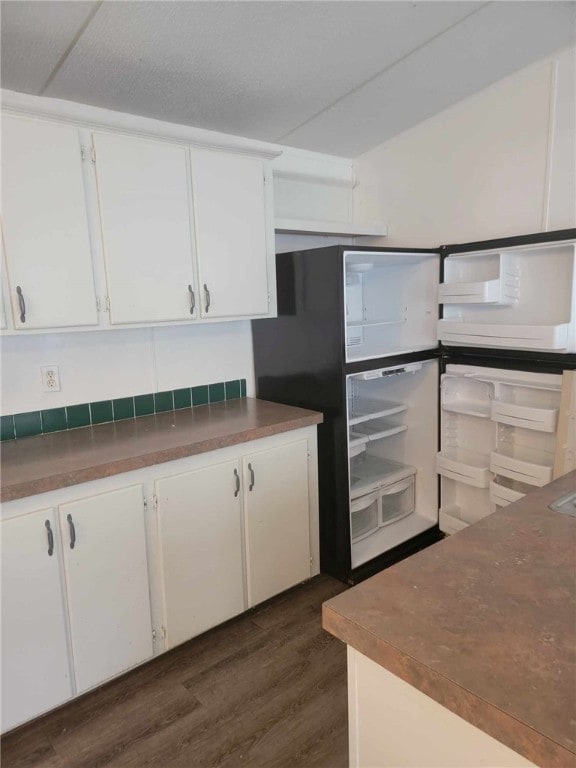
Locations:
(73, 416)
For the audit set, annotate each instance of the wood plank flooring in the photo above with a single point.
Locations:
(266, 690)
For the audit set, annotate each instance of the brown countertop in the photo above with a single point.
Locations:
(483, 622)
(47, 462)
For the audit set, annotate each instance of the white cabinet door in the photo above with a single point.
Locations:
(230, 219)
(277, 519)
(46, 235)
(145, 213)
(201, 542)
(35, 666)
(107, 584)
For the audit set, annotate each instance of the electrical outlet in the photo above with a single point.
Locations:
(50, 378)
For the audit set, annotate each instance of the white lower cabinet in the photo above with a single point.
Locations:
(277, 519)
(200, 530)
(97, 578)
(35, 668)
(107, 584)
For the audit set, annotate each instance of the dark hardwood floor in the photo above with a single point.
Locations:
(266, 690)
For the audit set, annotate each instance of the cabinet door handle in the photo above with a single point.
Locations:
(22, 304)
(207, 296)
(192, 300)
(237, 480)
(50, 538)
(251, 477)
(72, 531)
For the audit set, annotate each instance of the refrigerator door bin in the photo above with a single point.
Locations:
(504, 491)
(450, 521)
(397, 501)
(488, 278)
(541, 419)
(527, 465)
(365, 516)
(541, 337)
(464, 466)
(369, 473)
(461, 394)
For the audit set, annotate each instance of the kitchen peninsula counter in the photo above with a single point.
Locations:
(484, 624)
(33, 465)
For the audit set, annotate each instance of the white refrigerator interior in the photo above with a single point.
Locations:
(498, 439)
(391, 302)
(392, 439)
(516, 298)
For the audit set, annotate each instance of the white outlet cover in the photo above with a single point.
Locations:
(50, 378)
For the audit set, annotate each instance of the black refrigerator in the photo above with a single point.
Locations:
(440, 376)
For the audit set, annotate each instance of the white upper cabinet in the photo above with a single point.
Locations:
(231, 221)
(145, 214)
(106, 567)
(46, 235)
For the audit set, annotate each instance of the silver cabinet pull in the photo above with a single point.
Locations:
(72, 531)
(50, 538)
(251, 477)
(192, 300)
(237, 480)
(207, 296)
(22, 304)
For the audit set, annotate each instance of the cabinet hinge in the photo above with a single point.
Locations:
(98, 304)
(309, 454)
(145, 501)
(93, 154)
(82, 152)
(107, 304)
(269, 298)
(155, 501)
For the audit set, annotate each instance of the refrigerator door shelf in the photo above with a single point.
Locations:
(541, 419)
(465, 395)
(464, 466)
(524, 464)
(503, 493)
(537, 337)
(370, 473)
(484, 278)
(487, 292)
(450, 521)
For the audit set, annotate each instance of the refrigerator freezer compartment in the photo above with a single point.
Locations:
(521, 463)
(376, 429)
(369, 473)
(365, 408)
(487, 278)
(541, 419)
(504, 491)
(467, 396)
(464, 466)
(543, 337)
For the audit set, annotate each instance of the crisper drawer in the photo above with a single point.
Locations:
(365, 516)
(464, 466)
(397, 501)
(541, 419)
(524, 464)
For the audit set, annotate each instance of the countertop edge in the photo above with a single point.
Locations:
(129, 464)
(480, 713)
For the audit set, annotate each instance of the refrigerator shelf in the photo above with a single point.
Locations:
(370, 323)
(504, 491)
(368, 473)
(365, 409)
(464, 466)
(374, 430)
(543, 337)
(521, 463)
(541, 419)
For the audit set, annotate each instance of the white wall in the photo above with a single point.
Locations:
(100, 365)
(502, 162)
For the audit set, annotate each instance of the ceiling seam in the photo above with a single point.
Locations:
(284, 136)
(70, 48)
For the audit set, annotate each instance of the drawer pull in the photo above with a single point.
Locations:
(237, 480)
(22, 304)
(72, 531)
(251, 477)
(192, 300)
(50, 538)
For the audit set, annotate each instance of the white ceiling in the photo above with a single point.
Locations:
(336, 77)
